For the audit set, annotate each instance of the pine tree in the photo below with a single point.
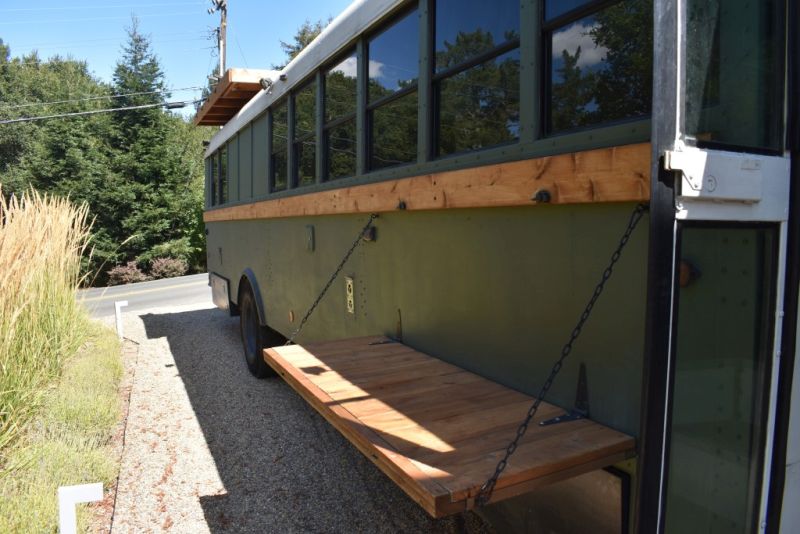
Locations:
(138, 74)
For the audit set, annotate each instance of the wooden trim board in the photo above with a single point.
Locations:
(616, 174)
(439, 441)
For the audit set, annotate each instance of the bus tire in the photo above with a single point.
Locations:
(255, 338)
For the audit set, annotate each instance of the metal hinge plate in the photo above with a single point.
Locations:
(717, 176)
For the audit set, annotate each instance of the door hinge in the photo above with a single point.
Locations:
(717, 176)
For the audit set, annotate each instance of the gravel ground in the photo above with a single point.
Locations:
(208, 448)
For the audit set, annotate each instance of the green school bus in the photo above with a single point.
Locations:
(537, 259)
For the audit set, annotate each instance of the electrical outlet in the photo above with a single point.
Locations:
(350, 294)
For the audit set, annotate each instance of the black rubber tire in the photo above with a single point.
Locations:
(255, 338)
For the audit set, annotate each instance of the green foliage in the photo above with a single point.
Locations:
(68, 443)
(306, 33)
(140, 172)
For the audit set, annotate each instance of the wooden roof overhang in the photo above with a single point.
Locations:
(236, 88)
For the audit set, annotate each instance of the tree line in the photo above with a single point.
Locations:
(140, 172)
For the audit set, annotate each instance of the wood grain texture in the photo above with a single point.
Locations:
(616, 174)
(437, 430)
(235, 89)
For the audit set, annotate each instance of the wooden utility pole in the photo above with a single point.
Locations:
(222, 7)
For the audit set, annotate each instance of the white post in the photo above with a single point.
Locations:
(68, 497)
(118, 314)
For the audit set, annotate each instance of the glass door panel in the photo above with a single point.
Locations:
(721, 378)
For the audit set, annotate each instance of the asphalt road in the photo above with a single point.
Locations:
(184, 290)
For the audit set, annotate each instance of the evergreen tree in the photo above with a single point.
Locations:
(138, 74)
(307, 32)
(141, 173)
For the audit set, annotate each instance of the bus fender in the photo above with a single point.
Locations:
(251, 279)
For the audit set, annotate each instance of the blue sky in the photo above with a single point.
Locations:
(94, 31)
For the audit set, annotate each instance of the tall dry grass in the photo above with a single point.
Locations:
(42, 239)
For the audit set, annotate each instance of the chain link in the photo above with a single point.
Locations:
(338, 270)
(485, 492)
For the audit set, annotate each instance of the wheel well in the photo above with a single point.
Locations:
(248, 280)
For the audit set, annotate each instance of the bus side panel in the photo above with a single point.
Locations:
(496, 291)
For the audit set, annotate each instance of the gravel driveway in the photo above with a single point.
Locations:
(208, 448)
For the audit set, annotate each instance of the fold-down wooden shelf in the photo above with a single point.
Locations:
(435, 429)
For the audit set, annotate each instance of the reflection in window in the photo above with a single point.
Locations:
(394, 132)
(601, 67)
(340, 88)
(479, 107)
(280, 136)
(734, 73)
(342, 150)
(394, 57)
(340, 118)
(214, 180)
(305, 128)
(467, 28)
(223, 175)
(477, 103)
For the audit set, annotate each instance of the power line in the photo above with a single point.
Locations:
(78, 46)
(16, 45)
(101, 97)
(94, 7)
(91, 19)
(168, 105)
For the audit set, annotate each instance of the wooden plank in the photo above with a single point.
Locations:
(437, 430)
(616, 174)
(415, 483)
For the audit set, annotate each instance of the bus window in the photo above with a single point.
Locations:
(280, 134)
(214, 180)
(305, 128)
(477, 74)
(600, 65)
(393, 59)
(340, 118)
(223, 175)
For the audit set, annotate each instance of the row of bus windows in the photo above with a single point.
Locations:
(597, 71)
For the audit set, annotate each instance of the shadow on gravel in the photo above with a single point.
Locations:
(284, 468)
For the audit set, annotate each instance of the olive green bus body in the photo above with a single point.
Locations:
(498, 291)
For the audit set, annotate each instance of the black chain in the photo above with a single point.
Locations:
(338, 270)
(485, 493)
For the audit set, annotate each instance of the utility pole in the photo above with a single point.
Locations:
(222, 7)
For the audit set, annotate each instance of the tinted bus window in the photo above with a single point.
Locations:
(601, 67)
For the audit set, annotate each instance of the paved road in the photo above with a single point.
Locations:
(184, 290)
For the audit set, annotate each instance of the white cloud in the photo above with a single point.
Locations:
(573, 37)
(349, 67)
